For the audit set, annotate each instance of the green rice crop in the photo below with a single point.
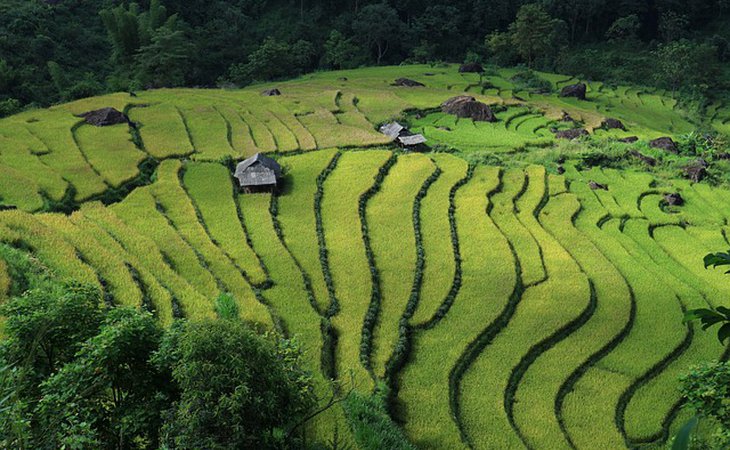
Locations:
(210, 189)
(390, 228)
(437, 246)
(347, 260)
(109, 266)
(288, 298)
(110, 152)
(425, 383)
(297, 216)
(163, 131)
(183, 217)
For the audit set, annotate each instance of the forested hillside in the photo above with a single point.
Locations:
(58, 50)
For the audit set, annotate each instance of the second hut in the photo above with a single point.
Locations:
(258, 173)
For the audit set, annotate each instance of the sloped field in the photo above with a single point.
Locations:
(505, 308)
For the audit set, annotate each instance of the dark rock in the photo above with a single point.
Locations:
(573, 133)
(271, 92)
(567, 117)
(471, 68)
(696, 170)
(648, 160)
(665, 143)
(342, 79)
(629, 139)
(104, 117)
(613, 124)
(594, 185)
(132, 94)
(673, 199)
(561, 170)
(574, 90)
(468, 107)
(407, 82)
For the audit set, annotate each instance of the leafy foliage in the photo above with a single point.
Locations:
(707, 391)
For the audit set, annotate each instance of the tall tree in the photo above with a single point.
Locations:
(533, 32)
(378, 26)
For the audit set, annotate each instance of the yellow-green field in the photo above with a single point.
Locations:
(505, 307)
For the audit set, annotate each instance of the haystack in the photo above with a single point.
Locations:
(104, 117)
(468, 107)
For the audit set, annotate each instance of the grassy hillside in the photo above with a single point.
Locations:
(506, 307)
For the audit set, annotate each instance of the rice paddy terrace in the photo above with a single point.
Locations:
(505, 307)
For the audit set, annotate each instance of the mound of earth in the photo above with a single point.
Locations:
(573, 133)
(613, 124)
(697, 170)
(407, 82)
(574, 90)
(271, 92)
(595, 185)
(471, 68)
(468, 107)
(674, 199)
(664, 143)
(104, 117)
(648, 160)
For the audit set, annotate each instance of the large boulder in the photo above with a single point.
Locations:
(696, 170)
(104, 117)
(574, 90)
(573, 133)
(613, 124)
(468, 107)
(648, 160)
(407, 82)
(471, 68)
(674, 199)
(596, 185)
(665, 143)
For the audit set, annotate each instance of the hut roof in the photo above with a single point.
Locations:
(258, 170)
(394, 130)
(409, 141)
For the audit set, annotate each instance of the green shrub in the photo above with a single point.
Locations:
(371, 426)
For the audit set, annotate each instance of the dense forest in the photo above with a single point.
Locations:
(58, 50)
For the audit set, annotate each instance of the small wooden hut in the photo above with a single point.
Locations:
(258, 173)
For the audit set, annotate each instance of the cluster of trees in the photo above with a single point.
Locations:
(61, 50)
(75, 375)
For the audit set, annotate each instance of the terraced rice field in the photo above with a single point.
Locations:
(505, 308)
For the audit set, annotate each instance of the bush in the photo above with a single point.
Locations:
(527, 80)
(706, 389)
(370, 423)
(273, 60)
(238, 389)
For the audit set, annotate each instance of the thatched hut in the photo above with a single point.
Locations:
(258, 173)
